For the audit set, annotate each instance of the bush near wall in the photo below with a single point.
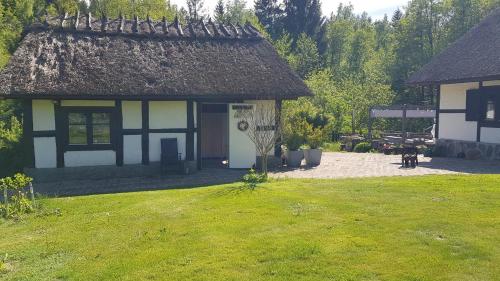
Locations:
(12, 156)
(363, 147)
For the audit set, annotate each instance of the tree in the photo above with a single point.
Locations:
(237, 13)
(270, 16)
(264, 130)
(305, 59)
(303, 16)
(220, 11)
(195, 10)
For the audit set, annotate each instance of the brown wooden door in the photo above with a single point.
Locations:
(214, 135)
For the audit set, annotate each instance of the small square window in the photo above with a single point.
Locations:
(490, 110)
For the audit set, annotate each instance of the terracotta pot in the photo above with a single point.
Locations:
(294, 158)
(313, 156)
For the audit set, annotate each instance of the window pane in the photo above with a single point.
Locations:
(101, 128)
(77, 128)
(490, 110)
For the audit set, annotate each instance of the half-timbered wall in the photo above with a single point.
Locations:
(136, 127)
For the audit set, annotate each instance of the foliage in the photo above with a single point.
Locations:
(331, 147)
(252, 179)
(220, 11)
(11, 148)
(156, 9)
(196, 10)
(362, 147)
(263, 129)
(270, 15)
(15, 200)
(316, 137)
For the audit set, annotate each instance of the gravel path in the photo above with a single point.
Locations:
(355, 165)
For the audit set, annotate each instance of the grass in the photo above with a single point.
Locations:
(421, 228)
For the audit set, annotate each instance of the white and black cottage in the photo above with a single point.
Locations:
(105, 92)
(467, 77)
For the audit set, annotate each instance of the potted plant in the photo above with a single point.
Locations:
(293, 153)
(313, 153)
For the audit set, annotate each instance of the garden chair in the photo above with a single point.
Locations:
(170, 156)
(409, 156)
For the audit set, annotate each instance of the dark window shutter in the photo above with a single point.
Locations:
(472, 105)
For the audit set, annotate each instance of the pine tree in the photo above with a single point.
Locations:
(270, 16)
(303, 16)
(220, 11)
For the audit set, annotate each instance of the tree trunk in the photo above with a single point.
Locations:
(263, 164)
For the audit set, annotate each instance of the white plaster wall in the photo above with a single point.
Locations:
(491, 83)
(132, 149)
(132, 114)
(490, 135)
(88, 103)
(453, 95)
(45, 152)
(453, 126)
(242, 152)
(155, 144)
(43, 115)
(167, 114)
(89, 158)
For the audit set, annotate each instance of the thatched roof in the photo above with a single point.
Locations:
(474, 57)
(75, 57)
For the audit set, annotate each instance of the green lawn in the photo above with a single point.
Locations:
(421, 228)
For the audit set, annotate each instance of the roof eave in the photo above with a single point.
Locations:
(452, 81)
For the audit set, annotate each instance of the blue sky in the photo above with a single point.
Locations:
(375, 8)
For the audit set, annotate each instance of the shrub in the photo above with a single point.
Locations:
(15, 198)
(363, 147)
(252, 179)
(11, 148)
(294, 141)
(331, 147)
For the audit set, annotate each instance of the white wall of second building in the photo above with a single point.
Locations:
(453, 125)
(45, 152)
(155, 145)
(453, 95)
(89, 158)
(490, 135)
(167, 114)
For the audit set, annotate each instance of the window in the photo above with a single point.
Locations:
(89, 128)
(77, 128)
(490, 110)
(101, 128)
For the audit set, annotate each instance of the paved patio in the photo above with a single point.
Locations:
(355, 165)
(334, 166)
(206, 177)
